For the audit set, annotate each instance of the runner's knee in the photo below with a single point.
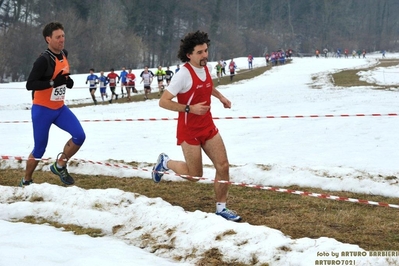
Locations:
(222, 167)
(79, 138)
(38, 152)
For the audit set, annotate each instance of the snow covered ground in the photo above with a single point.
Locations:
(333, 153)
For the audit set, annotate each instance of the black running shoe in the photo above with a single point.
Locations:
(23, 183)
(63, 174)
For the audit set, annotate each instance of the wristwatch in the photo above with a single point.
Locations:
(51, 83)
(187, 110)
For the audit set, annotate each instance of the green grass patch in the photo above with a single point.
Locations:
(349, 77)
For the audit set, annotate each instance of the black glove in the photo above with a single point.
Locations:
(69, 83)
(59, 80)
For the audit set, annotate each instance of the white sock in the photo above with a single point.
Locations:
(165, 163)
(220, 206)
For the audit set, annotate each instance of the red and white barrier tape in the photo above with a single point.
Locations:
(226, 117)
(297, 192)
(283, 190)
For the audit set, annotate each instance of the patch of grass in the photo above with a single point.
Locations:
(76, 229)
(213, 257)
(243, 75)
(226, 233)
(349, 77)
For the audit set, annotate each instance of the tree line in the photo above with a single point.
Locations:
(133, 33)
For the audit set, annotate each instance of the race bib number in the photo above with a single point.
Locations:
(58, 93)
(102, 84)
(112, 81)
(92, 82)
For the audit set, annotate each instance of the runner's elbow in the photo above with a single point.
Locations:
(161, 103)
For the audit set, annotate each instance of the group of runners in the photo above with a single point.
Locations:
(345, 53)
(127, 80)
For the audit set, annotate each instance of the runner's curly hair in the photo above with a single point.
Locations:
(189, 42)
